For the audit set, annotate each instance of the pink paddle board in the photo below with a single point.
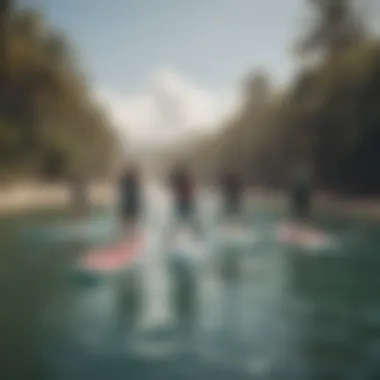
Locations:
(301, 235)
(111, 258)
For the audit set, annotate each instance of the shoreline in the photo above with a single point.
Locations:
(24, 197)
(29, 197)
(360, 208)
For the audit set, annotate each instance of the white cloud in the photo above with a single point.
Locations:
(172, 109)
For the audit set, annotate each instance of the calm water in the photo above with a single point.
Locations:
(262, 310)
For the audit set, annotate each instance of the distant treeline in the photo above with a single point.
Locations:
(49, 124)
(329, 117)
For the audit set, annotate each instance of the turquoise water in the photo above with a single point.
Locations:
(261, 310)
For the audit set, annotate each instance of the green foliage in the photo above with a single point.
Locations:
(328, 117)
(335, 25)
(46, 108)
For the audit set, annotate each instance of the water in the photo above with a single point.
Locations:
(264, 310)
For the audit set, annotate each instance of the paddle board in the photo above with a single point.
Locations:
(110, 259)
(302, 235)
(187, 246)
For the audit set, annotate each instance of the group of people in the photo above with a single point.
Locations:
(183, 187)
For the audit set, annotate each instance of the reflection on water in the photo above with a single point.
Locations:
(259, 309)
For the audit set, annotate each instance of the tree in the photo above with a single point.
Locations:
(336, 27)
(327, 118)
(47, 100)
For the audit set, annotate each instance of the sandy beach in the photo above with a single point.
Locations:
(31, 196)
(28, 196)
(356, 208)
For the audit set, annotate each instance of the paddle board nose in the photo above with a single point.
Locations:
(112, 258)
(303, 236)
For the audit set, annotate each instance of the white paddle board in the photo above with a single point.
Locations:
(187, 245)
(303, 236)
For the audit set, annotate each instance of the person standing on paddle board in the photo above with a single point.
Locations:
(300, 195)
(232, 191)
(182, 185)
(130, 199)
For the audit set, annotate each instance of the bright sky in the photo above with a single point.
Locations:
(166, 68)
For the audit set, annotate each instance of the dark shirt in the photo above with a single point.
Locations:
(129, 191)
(183, 187)
(231, 185)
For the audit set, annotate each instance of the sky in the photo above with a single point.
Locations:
(168, 68)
